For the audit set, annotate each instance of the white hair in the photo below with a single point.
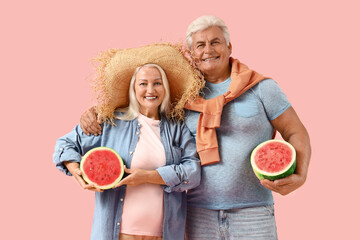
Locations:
(133, 110)
(203, 23)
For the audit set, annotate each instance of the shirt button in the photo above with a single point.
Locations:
(121, 199)
(137, 133)
(186, 182)
(131, 153)
(60, 149)
(118, 224)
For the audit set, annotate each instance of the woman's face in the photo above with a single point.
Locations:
(149, 91)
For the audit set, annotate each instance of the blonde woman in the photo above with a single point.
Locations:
(161, 160)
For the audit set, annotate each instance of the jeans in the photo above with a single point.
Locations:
(253, 223)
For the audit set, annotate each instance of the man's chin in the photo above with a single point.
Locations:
(207, 69)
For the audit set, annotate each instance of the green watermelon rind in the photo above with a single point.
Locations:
(273, 176)
(85, 177)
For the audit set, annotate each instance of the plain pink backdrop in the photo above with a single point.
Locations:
(311, 48)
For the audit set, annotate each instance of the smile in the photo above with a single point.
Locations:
(150, 98)
(208, 59)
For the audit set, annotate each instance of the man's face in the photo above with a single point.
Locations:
(211, 52)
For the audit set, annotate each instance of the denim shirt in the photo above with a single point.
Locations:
(181, 172)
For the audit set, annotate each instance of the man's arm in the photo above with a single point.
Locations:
(293, 131)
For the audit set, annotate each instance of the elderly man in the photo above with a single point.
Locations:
(238, 109)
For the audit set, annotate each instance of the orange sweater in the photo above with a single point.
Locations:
(242, 79)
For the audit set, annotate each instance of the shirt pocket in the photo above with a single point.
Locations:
(246, 106)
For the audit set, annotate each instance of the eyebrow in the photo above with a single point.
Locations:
(144, 79)
(214, 39)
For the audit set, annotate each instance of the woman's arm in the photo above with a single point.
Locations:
(68, 152)
(140, 176)
(187, 173)
(174, 177)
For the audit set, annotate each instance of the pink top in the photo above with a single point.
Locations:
(143, 209)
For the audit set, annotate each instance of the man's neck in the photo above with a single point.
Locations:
(218, 78)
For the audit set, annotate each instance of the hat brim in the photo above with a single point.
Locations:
(118, 65)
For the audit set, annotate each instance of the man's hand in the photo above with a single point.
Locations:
(89, 122)
(284, 186)
(74, 169)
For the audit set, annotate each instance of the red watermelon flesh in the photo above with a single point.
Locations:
(273, 157)
(103, 167)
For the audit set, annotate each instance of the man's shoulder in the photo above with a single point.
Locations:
(266, 82)
(264, 86)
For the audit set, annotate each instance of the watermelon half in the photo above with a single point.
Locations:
(273, 159)
(103, 167)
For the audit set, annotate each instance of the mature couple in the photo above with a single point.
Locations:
(236, 110)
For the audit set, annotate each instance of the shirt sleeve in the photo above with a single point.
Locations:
(272, 97)
(72, 147)
(186, 174)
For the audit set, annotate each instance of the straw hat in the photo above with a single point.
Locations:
(116, 67)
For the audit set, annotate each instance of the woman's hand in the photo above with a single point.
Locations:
(74, 169)
(140, 176)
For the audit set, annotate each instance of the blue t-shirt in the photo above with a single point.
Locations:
(245, 122)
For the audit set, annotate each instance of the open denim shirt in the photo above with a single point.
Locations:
(181, 172)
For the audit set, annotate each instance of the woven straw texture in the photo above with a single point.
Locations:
(115, 68)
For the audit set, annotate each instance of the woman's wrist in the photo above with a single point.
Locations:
(71, 166)
(154, 177)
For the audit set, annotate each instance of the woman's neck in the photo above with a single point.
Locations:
(151, 114)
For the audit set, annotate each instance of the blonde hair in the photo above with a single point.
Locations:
(132, 111)
(203, 23)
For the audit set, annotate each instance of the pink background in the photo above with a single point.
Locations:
(311, 48)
